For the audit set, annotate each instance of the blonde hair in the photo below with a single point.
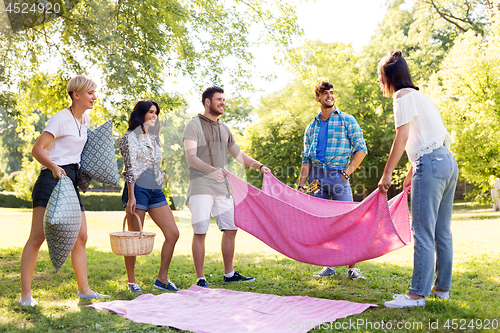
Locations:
(80, 84)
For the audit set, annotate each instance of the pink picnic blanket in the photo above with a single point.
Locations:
(220, 310)
(318, 231)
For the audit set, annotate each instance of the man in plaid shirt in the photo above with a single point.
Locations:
(333, 148)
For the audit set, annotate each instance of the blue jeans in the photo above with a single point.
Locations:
(433, 188)
(331, 184)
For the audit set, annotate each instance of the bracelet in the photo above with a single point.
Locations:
(260, 168)
(300, 187)
(346, 176)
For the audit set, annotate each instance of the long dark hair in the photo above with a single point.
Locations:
(137, 116)
(394, 73)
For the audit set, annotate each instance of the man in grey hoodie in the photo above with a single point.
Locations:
(207, 142)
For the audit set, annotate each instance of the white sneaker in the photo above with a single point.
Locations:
(30, 302)
(404, 301)
(441, 294)
(354, 274)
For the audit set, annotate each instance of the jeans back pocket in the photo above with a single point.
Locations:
(442, 166)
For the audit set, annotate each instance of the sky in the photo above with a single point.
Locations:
(347, 21)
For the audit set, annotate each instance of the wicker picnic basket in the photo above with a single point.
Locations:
(132, 243)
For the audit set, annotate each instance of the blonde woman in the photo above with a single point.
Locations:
(58, 149)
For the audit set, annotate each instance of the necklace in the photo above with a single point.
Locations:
(76, 123)
(325, 120)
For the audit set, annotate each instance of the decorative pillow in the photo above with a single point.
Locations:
(84, 181)
(98, 159)
(62, 221)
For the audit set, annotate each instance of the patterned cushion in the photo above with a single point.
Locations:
(84, 181)
(98, 159)
(62, 221)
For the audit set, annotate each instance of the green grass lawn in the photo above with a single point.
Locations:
(474, 297)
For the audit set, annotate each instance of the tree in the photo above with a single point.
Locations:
(453, 17)
(467, 91)
(132, 48)
(451, 48)
(135, 45)
(10, 150)
(277, 139)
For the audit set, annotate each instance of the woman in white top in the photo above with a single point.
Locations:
(432, 176)
(58, 149)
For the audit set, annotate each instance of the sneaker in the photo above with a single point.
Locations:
(238, 278)
(326, 272)
(30, 302)
(404, 301)
(91, 296)
(441, 294)
(354, 274)
(134, 287)
(202, 283)
(170, 286)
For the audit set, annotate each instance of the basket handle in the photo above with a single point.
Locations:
(138, 219)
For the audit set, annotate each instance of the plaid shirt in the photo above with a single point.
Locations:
(344, 139)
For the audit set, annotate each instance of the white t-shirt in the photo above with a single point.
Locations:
(68, 142)
(427, 131)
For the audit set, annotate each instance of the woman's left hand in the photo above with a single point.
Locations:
(384, 183)
(265, 169)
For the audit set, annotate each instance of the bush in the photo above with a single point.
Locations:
(23, 186)
(92, 201)
(7, 181)
(99, 201)
(9, 200)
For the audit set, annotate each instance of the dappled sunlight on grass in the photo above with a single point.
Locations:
(475, 289)
(459, 208)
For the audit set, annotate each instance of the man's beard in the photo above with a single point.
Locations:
(214, 110)
(326, 106)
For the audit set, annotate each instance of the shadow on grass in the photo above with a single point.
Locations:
(475, 291)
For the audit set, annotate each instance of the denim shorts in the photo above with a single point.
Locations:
(145, 198)
(46, 182)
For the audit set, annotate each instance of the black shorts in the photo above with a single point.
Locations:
(46, 182)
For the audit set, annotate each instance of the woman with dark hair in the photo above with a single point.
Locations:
(432, 176)
(143, 191)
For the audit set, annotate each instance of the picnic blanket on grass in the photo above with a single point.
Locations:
(318, 231)
(220, 310)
